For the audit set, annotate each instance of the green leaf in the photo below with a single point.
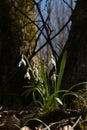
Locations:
(44, 77)
(69, 93)
(61, 71)
(78, 84)
(36, 119)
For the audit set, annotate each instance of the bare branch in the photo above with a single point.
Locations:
(61, 29)
(36, 42)
(68, 4)
(50, 39)
(26, 16)
(46, 29)
(47, 36)
(60, 123)
(30, 23)
(76, 122)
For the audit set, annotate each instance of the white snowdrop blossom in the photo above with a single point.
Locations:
(52, 61)
(53, 77)
(27, 75)
(22, 61)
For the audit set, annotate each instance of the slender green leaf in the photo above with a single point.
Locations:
(61, 71)
(38, 121)
(78, 84)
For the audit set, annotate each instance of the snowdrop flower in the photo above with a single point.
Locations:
(27, 75)
(52, 61)
(53, 77)
(22, 61)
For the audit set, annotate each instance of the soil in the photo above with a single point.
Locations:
(35, 119)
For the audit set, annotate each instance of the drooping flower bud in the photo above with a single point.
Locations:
(27, 75)
(22, 61)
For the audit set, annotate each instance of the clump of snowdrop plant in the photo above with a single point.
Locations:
(49, 96)
(24, 61)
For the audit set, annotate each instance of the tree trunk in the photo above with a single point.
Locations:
(15, 39)
(9, 51)
(76, 46)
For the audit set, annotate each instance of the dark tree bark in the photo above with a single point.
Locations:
(17, 36)
(76, 46)
(10, 42)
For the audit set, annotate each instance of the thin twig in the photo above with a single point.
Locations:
(37, 21)
(49, 41)
(76, 122)
(27, 17)
(37, 41)
(68, 4)
(60, 123)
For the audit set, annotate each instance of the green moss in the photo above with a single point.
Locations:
(80, 102)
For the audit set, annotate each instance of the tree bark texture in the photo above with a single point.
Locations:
(76, 46)
(17, 36)
(10, 43)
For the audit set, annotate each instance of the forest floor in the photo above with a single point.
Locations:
(34, 119)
